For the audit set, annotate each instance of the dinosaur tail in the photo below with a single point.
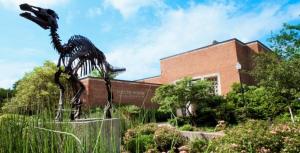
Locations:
(115, 69)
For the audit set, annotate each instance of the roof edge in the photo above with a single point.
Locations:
(225, 41)
(148, 78)
(96, 78)
(263, 45)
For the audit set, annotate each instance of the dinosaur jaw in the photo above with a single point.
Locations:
(34, 14)
(34, 19)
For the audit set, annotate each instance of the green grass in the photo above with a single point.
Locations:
(38, 133)
(23, 134)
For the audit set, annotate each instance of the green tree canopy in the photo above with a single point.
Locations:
(280, 69)
(4, 94)
(278, 72)
(207, 107)
(287, 42)
(99, 74)
(173, 96)
(36, 91)
(256, 102)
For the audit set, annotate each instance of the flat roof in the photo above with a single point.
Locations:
(148, 77)
(218, 43)
(263, 45)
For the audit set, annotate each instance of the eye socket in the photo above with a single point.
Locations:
(52, 13)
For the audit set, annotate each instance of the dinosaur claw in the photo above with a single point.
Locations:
(25, 14)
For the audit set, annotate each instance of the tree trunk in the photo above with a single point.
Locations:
(187, 109)
(292, 116)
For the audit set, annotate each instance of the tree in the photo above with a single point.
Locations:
(5, 94)
(36, 91)
(182, 94)
(287, 42)
(258, 102)
(280, 69)
(166, 98)
(99, 74)
(208, 107)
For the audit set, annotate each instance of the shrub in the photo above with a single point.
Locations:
(168, 138)
(140, 143)
(146, 129)
(186, 127)
(198, 145)
(150, 138)
(162, 116)
(152, 151)
(149, 128)
(259, 136)
(179, 121)
(140, 138)
(256, 102)
(211, 109)
(286, 117)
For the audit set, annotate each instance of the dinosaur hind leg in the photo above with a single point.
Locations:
(108, 106)
(76, 102)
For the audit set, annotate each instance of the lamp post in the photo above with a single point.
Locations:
(238, 66)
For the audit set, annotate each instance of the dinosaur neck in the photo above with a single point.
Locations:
(56, 40)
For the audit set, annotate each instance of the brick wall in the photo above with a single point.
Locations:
(216, 59)
(244, 55)
(156, 79)
(124, 92)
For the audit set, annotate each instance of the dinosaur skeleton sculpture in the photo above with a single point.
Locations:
(78, 55)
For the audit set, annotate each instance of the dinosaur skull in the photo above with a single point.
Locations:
(46, 18)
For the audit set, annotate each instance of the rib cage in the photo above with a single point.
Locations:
(83, 57)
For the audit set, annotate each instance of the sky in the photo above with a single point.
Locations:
(136, 34)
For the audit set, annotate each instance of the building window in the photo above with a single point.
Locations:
(215, 83)
(215, 80)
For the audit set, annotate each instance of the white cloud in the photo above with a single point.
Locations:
(13, 4)
(92, 12)
(13, 71)
(193, 27)
(71, 15)
(15, 62)
(130, 7)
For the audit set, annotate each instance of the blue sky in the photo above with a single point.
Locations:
(136, 33)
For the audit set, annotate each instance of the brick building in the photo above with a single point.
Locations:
(124, 92)
(216, 62)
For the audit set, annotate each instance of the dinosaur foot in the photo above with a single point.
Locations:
(59, 116)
